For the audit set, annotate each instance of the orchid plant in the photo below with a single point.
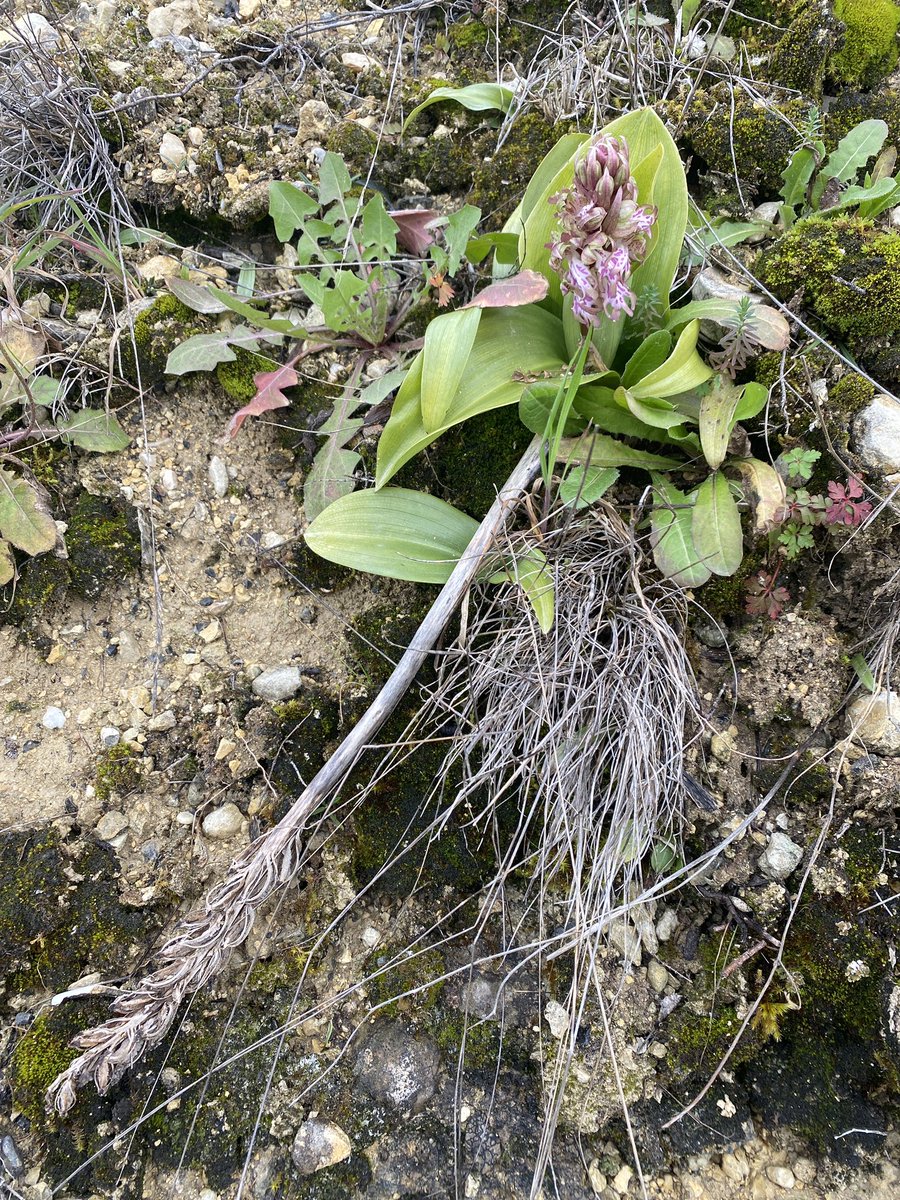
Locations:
(586, 341)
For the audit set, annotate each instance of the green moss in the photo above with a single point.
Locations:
(731, 133)
(482, 1039)
(237, 377)
(725, 598)
(847, 396)
(378, 634)
(387, 989)
(104, 545)
(36, 1061)
(356, 144)
(118, 772)
(801, 56)
(36, 596)
(870, 41)
(697, 1042)
(849, 108)
(308, 727)
(158, 329)
(846, 270)
(468, 37)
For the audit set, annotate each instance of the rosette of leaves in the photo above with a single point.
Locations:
(28, 396)
(643, 383)
(361, 270)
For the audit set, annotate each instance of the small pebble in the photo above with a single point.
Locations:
(223, 822)
(10, 1157)
(218, 476)
(780, 857)
(211, 633)
(109, 736)
(110, 825)
(162, 721)
(319, 1144)
(667, 924)
(53, 718)
(279, 683)
(782, 1177)
(557, 1018)
(173, 153)
(657, 975)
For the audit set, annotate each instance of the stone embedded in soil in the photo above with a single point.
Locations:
(874, 722)
(223, 822)
(162, 721)
(110, 825)
(557, 1018)
(657, 975)
(173, 151)
(169, 20)
(780, 857)
(109, 736)
(667, 924)
(398, 1068)
(319, 1144)
(218, 476)
(53, 718)
(626, 939)
(876, 432)
(782, 1177)
(279, 683)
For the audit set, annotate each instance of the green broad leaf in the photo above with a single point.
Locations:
(764, 490)
(504, 245)
(510, 344)
(334, 179)
(599, 406)
(378, 389)
(255, 317)
(852, 153)
(379, 232)
(597, 450)
(538, 190)
(313, 288)
(722, 311)
(204, 351)
(682, 371)
(477, 97)
(194, 296)
(448, 343)
(25, 518)
(670, 536)
(457, 234)
(716, 526)
(246, 283)
(644, 132)
(340, 302)
(583, 487)
(870, 197)
(857, 662)
(394, 532)
(717, 419)
(721, 234)
(658, 414)
(754, 398)
(532, 573)
(796, 176)
(537, 405)
(93, 429)
(652, 353)
(875, 206)
(884, 164)
(7, 563)
(330, 477)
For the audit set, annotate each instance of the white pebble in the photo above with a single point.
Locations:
(172, 151)
(53, 718)
(218, 475)
(279, 683)
(109, 736)
(223, 822)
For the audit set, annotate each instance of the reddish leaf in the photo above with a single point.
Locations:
(845, 503)
(413, 227)
(525, 288)
(269, 395)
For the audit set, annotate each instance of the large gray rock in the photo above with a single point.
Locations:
(876, 432)
(398, 1068)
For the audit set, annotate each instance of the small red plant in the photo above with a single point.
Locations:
(845, 503)
(764, 598)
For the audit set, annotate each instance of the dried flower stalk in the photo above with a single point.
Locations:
(204, 940)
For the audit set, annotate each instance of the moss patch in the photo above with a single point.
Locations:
(756, 141)
(158, 329)
(118, 772)
(800, 59)
(870, 41)
(103, 543)
(237, 377)
(847, 273)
